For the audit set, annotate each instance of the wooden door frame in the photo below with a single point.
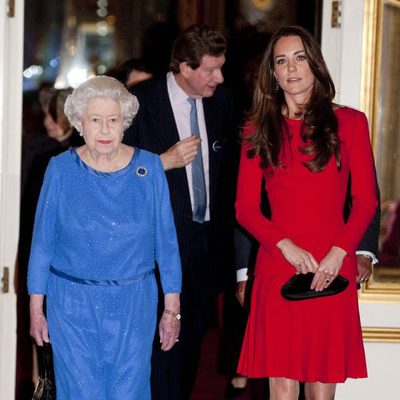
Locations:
(11, 64)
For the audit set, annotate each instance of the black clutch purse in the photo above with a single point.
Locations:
(298, 287)
(46, 387)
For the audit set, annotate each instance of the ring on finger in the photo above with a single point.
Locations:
(328, 280)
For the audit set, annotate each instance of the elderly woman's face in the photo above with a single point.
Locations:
(102, 125)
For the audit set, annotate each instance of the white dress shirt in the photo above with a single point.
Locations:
(181, 109)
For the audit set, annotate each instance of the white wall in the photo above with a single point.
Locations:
(342, 49)
(383, 360)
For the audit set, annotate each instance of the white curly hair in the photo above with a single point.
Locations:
(100, 86)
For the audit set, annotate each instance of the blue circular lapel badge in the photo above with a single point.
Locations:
(141, 171)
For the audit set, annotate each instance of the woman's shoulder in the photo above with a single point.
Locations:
(148, 164)
(348, 113)
(352, 124)
(147, 159)
(146, 155)
(61, 159)
(66, 154)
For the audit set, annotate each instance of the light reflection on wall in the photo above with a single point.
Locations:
(88, 45)
(68, 40)
(90, 51)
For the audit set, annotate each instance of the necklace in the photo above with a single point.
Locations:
(111, 166)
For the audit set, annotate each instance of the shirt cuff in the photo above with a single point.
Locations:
(368, 253)
(241, 275)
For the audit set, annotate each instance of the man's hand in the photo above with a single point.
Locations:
(241, 291)
(364, 265)
(181, 153)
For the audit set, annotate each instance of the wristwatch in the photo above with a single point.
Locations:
(174, 314)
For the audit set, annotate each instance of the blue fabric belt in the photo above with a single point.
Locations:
(101, 282)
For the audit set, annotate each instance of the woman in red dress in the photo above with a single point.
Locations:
(306, 148)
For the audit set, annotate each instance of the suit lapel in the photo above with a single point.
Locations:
(168, 135)
(213, 135)
(164, 116)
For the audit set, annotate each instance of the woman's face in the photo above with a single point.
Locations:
(102, 125)
(291, 68)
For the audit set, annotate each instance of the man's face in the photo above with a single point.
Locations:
(202, 81)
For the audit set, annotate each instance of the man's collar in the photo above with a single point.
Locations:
(177, 94)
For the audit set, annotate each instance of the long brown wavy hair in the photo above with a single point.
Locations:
(320, 125)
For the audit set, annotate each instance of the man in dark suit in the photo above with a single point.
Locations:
(186, 117)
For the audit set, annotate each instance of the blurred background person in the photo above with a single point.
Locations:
(132, 72)
(38, 149)
(61, 136)
(55, 121)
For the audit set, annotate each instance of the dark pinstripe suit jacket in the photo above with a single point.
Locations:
(154, 129)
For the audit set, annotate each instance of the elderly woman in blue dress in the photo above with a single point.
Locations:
(102, 223)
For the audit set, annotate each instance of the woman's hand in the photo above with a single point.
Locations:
(38, 330)
(170, 324)
(302, 260)
(328, 269)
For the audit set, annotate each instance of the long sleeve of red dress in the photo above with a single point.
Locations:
(363, 190)
(248, 200)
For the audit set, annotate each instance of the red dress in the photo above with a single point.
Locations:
(318, 339)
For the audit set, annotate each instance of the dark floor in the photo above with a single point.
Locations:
(211, 384)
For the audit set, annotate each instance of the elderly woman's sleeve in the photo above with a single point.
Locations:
(166, 243)
(44, 232)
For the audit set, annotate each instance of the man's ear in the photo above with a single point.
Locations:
(185, 69)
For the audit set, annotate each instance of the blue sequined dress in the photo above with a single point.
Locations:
(109, 229)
